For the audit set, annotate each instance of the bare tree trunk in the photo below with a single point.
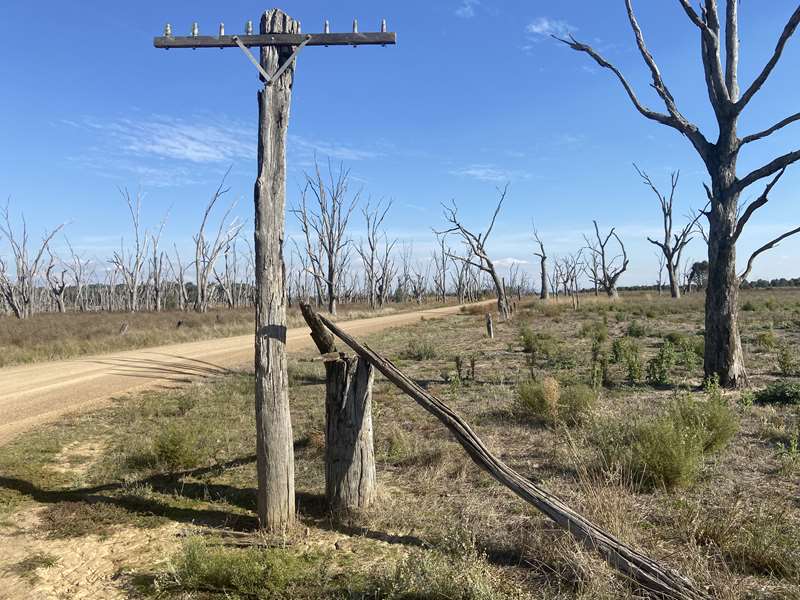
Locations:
(723, 347)
(275, 453)
(674, 284)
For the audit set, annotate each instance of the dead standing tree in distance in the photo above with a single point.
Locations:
(723, 347)
(375, 255)
(350, 479)
(476, 244)
(280, 40)
(325, 227)
(206, 251)
(609, 272)
(19, 290)
(544, 294)
(131, 263)
(671, 248)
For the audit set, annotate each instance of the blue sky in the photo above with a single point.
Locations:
(474, 95)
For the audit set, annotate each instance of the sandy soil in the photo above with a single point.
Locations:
(34, 394)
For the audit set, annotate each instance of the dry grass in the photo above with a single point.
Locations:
(50, 336)
(442, 528)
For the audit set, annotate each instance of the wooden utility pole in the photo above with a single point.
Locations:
(280, 40)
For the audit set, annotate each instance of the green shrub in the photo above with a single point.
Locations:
(238, 573)
(636, 330)
(669, 450)
(434, 575)
(660, 366)
(595, 330)
(781, 392)
(787, 363)
(713, 420)
(690, 352)
(676, 338)
(633, 363)
(541, 346)
(576, 404)
(600, 372)
(420, 349)
(766, 340)
(749, 306)
(547, 402)
(176, 447)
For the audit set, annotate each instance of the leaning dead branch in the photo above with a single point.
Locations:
(649, 574)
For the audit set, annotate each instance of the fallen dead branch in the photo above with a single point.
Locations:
(660, 581)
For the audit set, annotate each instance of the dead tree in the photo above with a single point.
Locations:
(419, 281)
(350, 479)
(179, 274)
(130, 263)
(206, 251)
(611, 267)
(157, 268)
(227, 279)
(662, 262)
(79, 269)
(440, 258)
(476, 246)
(723, 348)
(672, 245)
(375, 254)
(544, 294)
(325, 227)
(56, 282)
(19, 290)
(572, 267)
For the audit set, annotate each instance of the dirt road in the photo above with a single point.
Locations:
(34, 394)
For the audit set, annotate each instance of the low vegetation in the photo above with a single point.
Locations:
(696, 477)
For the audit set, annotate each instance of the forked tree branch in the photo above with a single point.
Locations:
(770, 168)
(769, 131)
(755, 205)
(787, 33)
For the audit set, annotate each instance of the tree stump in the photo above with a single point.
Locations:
(350, 478)
(489, 326)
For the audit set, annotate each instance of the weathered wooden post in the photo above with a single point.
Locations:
(280, 41)
(350, 479)
(274, 441)
(489, 326)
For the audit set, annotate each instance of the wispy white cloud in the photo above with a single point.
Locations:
(203, 139)
(306, 148)
(466, 10)
(543, 27)
(510, 262)
(489, 173)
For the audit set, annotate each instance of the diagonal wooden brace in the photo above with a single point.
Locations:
(269, 80)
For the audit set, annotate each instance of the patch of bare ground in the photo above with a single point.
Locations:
(702, 480)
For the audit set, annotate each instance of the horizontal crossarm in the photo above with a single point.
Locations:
(278, 39)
